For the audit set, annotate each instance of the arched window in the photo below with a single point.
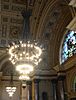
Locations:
(68, 46)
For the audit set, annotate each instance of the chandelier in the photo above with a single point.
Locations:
(26, 53)
(11, 88)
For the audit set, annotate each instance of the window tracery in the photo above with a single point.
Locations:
(68, 46)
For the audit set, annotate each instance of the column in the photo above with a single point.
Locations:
(54, 85)
(36, 89)
(0, 85)
(61, 87)
(29, 86)
(24, 95)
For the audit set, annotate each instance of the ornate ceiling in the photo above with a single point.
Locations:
(48, 23)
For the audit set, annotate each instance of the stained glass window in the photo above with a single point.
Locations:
(68, 46)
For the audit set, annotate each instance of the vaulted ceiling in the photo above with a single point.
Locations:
(48, 24)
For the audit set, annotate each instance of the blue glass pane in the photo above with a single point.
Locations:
(71, 33)
(68, 46)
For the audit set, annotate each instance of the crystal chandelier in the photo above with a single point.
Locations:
(26, 53)
(11, 88)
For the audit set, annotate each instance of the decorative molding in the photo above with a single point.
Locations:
(72, 24)
(45, 77)
(14, 32)
(17, 8)
(4, 19)
(23, 2)
(16, 20)
(67, 65)
(5, 7)
(72, 3)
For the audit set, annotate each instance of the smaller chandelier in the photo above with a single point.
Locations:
(10, 90)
